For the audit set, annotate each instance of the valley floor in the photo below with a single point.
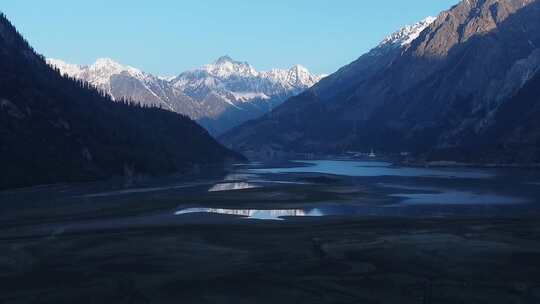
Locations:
(128, 247)
(381, 261)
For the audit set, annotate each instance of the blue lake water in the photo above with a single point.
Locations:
(366, 169)
(439, 192)
(398, 191)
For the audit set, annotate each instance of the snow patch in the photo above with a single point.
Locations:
(407, 34)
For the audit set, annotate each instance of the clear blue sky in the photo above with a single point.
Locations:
(167, 37)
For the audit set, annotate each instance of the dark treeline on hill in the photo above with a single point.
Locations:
(55, 129)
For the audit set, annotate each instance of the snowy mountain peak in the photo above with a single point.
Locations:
(225, 67)
(107, 67)
(300, 76)
(299, 69)
(223, 87)
(224, 59)
(407, 34)
(106, 62)
(99, 73)
(72, 70)
(226, 71)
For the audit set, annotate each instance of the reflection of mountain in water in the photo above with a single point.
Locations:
(253, 213)
(232, 186)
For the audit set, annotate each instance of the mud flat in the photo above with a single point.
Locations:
(297, 261)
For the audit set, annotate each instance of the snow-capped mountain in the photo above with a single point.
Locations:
(371, 62)
(125, 82)
(407, 34)
(238, 82)
(100, 73)
(220, 95)
(465, 87)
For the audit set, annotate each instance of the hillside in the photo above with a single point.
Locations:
(55, 129)
(437, 94)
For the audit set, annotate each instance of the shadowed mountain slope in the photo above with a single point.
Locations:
(55, 129)
(427, 97)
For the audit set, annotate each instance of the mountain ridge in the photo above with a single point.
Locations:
(433, 94)
(220, 95)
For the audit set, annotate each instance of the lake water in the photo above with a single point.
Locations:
(304, 189)
(367, 169)
(415, 191)
(259, 214)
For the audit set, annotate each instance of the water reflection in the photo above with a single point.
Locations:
(415, 201)
(232, 186)
(442, 196)
(255, 213)
(452, 197)
(367, 169)
(239, 177)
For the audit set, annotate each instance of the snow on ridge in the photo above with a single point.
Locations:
(72, 70)
(407, 34)
(230, 79)
(239, 81)
(226, 67)
(247, 96)
(166, 78)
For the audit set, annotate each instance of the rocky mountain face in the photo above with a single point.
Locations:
(232, 92)
(438, 91)
(56, 129)
(125, 82)
(219, 96)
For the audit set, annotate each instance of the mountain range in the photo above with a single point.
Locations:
(57, 129)
(446, 88)
(461, 86)
(219, 96)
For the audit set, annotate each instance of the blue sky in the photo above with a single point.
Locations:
(166, 37)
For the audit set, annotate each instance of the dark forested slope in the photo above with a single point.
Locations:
(55, 129)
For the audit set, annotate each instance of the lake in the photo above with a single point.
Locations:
(406, 191)
(372, 169)
(314, 189)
